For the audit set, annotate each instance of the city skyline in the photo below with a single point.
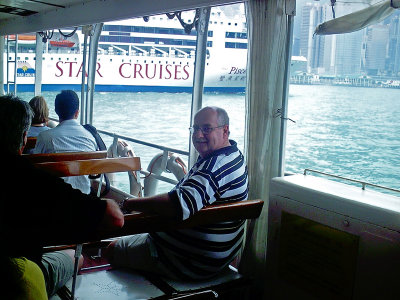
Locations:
(373, 51)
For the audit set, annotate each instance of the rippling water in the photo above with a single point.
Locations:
(347, 131)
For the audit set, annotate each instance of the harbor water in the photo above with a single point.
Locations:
(346, 131)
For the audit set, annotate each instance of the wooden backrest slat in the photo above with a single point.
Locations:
(31, 142)
(140, 222)
(64, 156)
(90, 166)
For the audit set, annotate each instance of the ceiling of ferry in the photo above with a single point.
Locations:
(23, 16)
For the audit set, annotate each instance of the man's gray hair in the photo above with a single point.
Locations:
(222, 116)
(15, 119)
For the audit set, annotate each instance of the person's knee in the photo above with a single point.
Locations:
(108, 253)
(71, 254)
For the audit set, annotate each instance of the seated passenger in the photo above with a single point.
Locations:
(67, 136)
(219, 176)
(48, 212)
(23, 278)
(40, 116)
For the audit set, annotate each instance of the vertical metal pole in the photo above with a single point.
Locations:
(38, 65)
(290, 11)
(198, 78)
(2, 48)
(15, 64)
(94, 41)
(86, 31)
(8, 65)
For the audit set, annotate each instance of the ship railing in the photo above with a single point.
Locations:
(166, 150)
(363, 184)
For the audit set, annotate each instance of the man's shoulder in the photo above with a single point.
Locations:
(47, 133)
(219, 160)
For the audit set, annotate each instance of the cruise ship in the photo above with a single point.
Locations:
(143, 54)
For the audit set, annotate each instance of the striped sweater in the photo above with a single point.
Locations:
(203, 251)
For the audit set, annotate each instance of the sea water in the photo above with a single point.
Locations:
(346, 131)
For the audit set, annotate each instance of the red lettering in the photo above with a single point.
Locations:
(168, 71)
(185, 67)
(59, 68)
(161, 67)
(137, 71)
(177, 72)
(70, 67)
(147, 71)
(80, 71)
(120, 70)
(98, 69)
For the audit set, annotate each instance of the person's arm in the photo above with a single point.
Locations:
(113, 217)
(161, 205)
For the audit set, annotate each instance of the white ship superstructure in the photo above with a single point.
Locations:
(139, 55)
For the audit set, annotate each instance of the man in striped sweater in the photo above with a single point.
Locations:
(219, 175)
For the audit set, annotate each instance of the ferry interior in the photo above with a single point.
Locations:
(316, 236)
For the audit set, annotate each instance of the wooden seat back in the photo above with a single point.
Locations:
(140, 222)
(90, 166)
(229, 283)
(30, 143)
(64, 156)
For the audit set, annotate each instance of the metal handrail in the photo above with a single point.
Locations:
(163, 148)
(363, 183)
(127, 138)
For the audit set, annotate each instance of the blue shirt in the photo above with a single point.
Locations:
(68, 136)
(35, 130)
(204, 251)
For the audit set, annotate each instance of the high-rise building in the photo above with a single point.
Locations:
(376, 49)
(348, 53)
(393, 57)
(312, 47)
(344, 50)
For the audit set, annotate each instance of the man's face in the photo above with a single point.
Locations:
(217, 138)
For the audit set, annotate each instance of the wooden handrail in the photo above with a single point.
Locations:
(137, 222)
(140, 222)
(91, 166)
(64, 156)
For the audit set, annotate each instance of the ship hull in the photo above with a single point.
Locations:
(117, 73)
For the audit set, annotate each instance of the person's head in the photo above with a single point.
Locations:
(40, 110)
(67, 105)
(210, 130)
(15, 121)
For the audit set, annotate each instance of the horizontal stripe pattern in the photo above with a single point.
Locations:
(203, 251)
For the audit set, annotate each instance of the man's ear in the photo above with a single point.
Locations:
(226, 130)
(24, 141)
(76, 114)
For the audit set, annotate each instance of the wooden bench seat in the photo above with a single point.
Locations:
(90, 166)
(64, 156)
(138, 222)
(129, 284)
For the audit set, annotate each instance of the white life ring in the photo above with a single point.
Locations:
(175, 165)
(123, 149)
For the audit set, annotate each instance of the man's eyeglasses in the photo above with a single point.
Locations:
(205, 130)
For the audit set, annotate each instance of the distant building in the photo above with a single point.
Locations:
(376, 49)
(312, 47)
(393, 57)
(296, 46)
(298, 65)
